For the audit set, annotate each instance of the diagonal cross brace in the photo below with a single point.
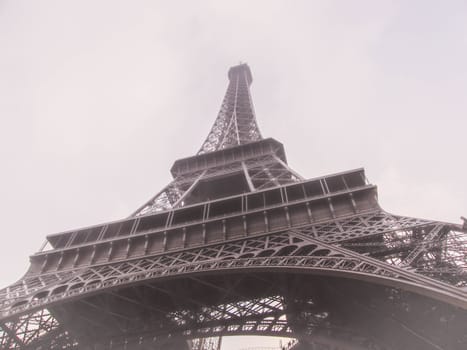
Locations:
(422, 246)
(402, 274)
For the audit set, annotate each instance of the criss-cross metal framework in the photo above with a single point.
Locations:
(236, 122)
(238, 244)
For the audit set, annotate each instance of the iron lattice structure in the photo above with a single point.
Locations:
(240, 244)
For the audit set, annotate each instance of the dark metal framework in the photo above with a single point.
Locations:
(239, 243)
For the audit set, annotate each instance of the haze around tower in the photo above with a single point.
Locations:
(98, 98)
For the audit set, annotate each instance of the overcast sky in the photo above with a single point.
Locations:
(99, 98)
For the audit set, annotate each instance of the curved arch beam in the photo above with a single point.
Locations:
(348, 267)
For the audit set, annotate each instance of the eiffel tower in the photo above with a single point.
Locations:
(240, 244)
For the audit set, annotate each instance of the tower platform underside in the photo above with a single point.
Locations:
(280, 261)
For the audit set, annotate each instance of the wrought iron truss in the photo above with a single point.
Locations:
(236, 122)
(240, 244)
(258, 165)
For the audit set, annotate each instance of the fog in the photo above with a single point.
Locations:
(99, 98)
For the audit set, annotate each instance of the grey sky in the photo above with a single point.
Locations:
(98, 98)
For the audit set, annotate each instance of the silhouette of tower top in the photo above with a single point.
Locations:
(236, 122)
(242, 70)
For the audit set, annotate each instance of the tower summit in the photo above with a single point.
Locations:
(236, 122)
(240, 244)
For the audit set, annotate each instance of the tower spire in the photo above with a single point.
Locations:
(236, 123)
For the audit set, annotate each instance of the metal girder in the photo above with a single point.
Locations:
(206, 344)
(27, 329)
(260, 173)
(287, 249)
(267, 315)
(296, 248)
(239, 243)
(236, 121)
